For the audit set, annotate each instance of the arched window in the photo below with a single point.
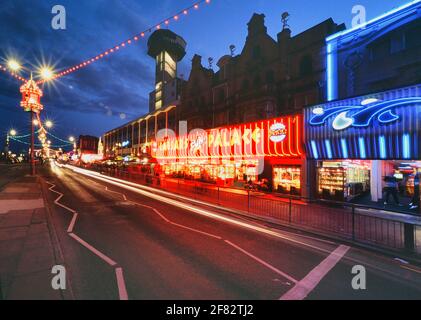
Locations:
(306, 65)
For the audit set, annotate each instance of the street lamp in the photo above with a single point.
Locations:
(46, 73)
(48, 124)
(11, 133)
(14, 65)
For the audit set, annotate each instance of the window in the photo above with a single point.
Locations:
(306, 65)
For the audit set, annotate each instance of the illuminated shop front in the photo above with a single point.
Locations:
(235, 155)
(355, 143)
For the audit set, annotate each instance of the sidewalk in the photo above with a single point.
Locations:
(26, 248)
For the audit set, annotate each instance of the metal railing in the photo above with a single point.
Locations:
(344, 220)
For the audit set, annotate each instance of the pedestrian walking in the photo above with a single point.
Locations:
(391, 189)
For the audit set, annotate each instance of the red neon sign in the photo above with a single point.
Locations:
(280, 137)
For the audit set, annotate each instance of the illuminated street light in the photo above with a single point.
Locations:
(46, 73)
(72, 139)
(36, 122)
(14, 65)
(13, 132)
(48, 124)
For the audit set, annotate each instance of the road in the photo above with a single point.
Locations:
(128, 242)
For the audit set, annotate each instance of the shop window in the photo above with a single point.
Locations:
(344, 180)
(287, 180)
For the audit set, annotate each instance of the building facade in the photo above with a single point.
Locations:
(369, 130)
(269, 79)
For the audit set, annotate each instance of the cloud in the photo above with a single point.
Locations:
(114, 88)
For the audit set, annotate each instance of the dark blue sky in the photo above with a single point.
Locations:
(115, 90)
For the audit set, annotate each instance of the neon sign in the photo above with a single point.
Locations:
(384, 125)
(281, 137)
(361, 116)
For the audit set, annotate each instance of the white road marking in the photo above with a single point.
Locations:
(267, 265)
(72, 223)
(98, 253)
(122, 194)
(303, 288)
(118, 270)
(122, 291)
(197, 231)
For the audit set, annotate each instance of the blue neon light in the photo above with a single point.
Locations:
(406, 146)
(328, 149)
(361, 144)
(331, 73)
(362, 116)
(314, 149)
(344, 149)
(382, 144)
(364, 25)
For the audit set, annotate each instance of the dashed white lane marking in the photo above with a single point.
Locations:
(98, 253)
(267, 265)
(302, 289)
(122, 194)
(122, 292)
(197, 231)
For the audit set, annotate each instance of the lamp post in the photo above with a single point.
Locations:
(9, 134)
(31, 100)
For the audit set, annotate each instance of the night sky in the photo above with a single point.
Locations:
(115, 90)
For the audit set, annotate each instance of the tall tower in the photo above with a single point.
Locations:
(167, 48)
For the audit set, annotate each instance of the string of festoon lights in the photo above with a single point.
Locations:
(174, 18)
(13, 74)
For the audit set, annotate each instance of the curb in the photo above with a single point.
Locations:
(57, 249)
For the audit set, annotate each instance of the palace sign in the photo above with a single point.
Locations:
(281, 137)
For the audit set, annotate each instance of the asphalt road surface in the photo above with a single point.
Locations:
(128, 242)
